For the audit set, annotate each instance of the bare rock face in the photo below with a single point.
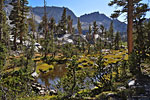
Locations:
(102, 19)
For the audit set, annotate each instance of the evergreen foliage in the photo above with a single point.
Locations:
(90, 30)
(73, 80)
(15, 17)
(99, 80)
(3, 55)
(52, 25)
(32, 25)
(95, 30)
(4, 28)
(79, 26)
(111, 34)
(24, 9)
(63, 22)
(69, 24)
(88, 61)
(102, 28)
(15, 85)
(117, 40)
(135, 63)
(1, 18)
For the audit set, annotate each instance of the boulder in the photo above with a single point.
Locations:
(121, 88)
(52, 92)
(34, 74)
(131, 83)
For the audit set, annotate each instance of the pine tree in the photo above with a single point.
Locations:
(130, 26)
(44, 28)
(106, 38)
(52, 27)
(99, 73)
(4, 28)
(52, 24)
(102, 28)
(111, 35)
(15, 16)
(132, 9)
(95, 30)
(90, 30)
(69, 22)
(141, 42)
(127, 6)
(63, 23)
(3, 52)
(45, 21)
(24, 9)
(79, 26)
(111, 31)
(6, 32)
(31, 22)
(135, 63)
(46, 31)
(73, 81)
(117, 40)
(88, 36)
(147, 27)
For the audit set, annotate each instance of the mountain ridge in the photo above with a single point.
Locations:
(86, 19)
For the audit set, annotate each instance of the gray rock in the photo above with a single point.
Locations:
(53, 92)
(121, 88)
(131, 83)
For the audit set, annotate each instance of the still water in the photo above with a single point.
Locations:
(49, 79)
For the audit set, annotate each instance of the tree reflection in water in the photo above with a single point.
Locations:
(53, 76)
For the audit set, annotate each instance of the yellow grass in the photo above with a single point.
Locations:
(44, 67)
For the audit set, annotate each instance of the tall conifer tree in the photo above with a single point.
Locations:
(117, 40)
(52, 25)
(24, 9)
(111, 34)
(63, 22)
(31, 22)
(69, 22)
(95, 30)
(102, 28)
(127, 6)
(90, 30)
(79, 26)
(15, 16)
(132, 9)
(4, 32)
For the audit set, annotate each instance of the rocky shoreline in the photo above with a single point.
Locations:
(42, 90)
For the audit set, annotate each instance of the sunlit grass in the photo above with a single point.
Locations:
(13, 69)
(44, 67)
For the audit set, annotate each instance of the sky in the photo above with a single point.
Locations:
(81, 7)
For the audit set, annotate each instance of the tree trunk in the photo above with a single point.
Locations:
(21, 37)
(130, 26)
(15, 45)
